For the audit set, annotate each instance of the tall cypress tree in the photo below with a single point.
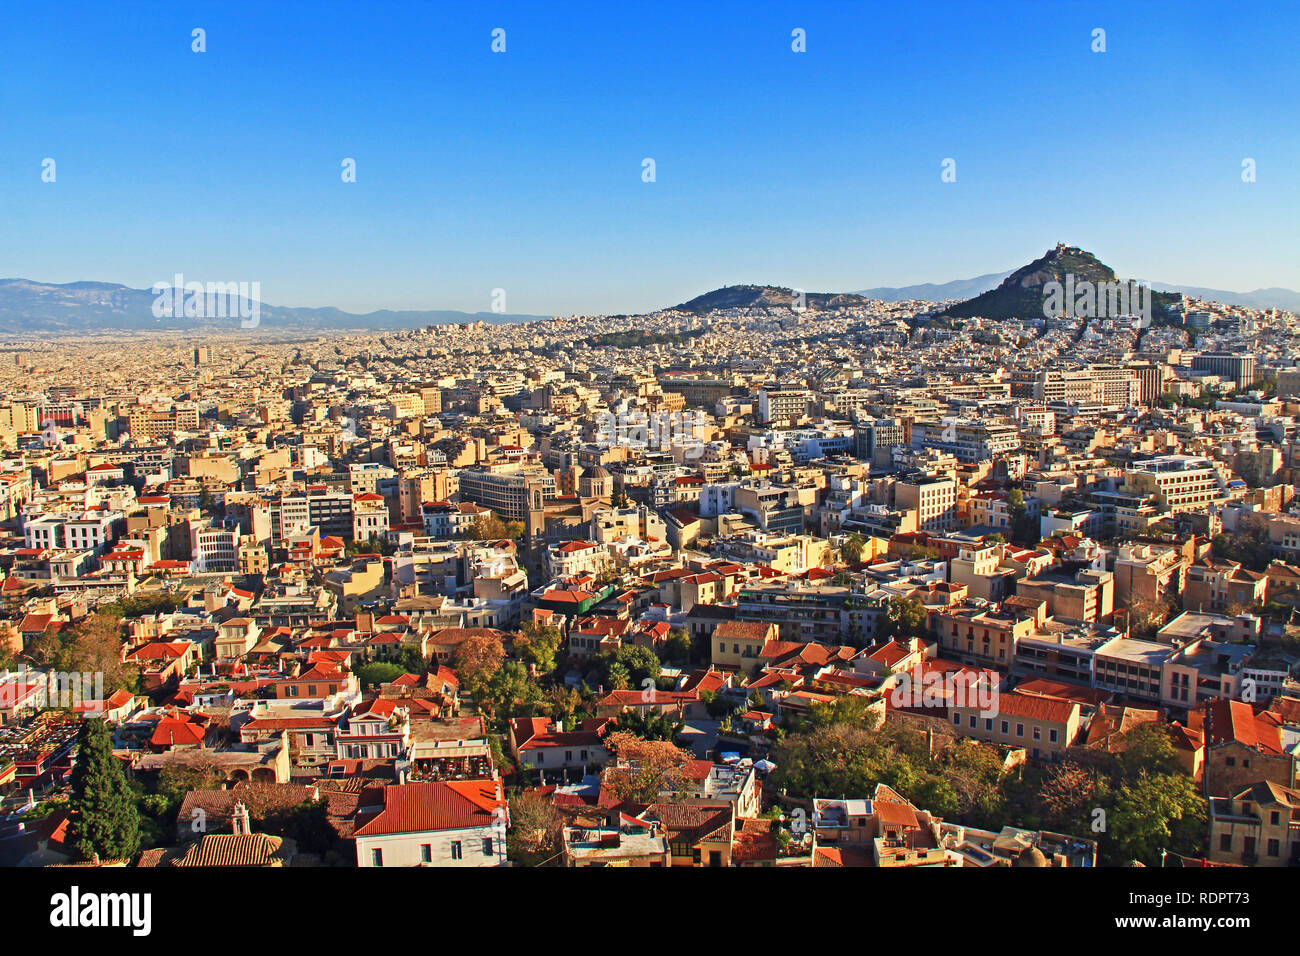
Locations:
(104, 818)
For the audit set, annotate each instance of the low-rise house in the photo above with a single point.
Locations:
(1221, 585)
(163, 663)
(1242, 747)
(453, 823)
(310, 726)
(374, 728)
(704, 782)
(539, 743)
(615, 839)
(445, 745)
(1043, 726)
(981, 633)
(236, 637)
(754, 842)
(738, 645)
(1258, 825)
(698, 834)
(317, 681)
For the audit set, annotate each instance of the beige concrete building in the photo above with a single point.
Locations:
(932, 497)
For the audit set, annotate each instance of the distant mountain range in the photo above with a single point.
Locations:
(27, 306)
(1271, 298)
(937, 292)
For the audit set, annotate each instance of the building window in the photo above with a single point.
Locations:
(376, 857)
(455, 850)
(487, 846)
(1020, 730)
(426, 853)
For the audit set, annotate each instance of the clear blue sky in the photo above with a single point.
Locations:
(522, 170)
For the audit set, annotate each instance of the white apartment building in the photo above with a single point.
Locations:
(88, 531)
(1178, 482)
(214, 549)
(576, 557)
(783, 403)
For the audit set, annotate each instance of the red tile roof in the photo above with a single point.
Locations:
(440, 805)
(1233, 720)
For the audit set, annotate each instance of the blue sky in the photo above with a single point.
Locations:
(522, 170)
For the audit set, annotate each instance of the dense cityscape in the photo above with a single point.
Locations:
(768, 579)
(457, 443)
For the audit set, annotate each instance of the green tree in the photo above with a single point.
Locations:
(617, 677)
(1250, 544)
(1148, 749)
(842, 760)
(412, 660)
(140, 604)
(372, 545)
(1024, 529)
(904, 619)
(1156, 812)
(848, 709)
(677, 648)
(717, 707)
(91, 646)
(491, 528)
(538, 644)
(378, 672)
(637, 662)
(307, 824)
(174, 781)
(974, 775)
(650, 726)
(103, 816)
(851, 550)
(512, 693)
